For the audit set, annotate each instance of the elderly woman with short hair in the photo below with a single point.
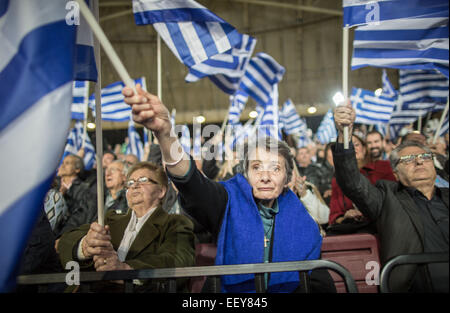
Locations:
(254, 216)
(145, 237)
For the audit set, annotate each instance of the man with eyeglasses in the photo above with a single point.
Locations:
(411, 214)
(146, 237)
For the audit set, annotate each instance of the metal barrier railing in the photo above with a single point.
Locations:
(215, 272)
(422, 258)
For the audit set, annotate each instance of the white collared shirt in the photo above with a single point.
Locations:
(132, 230)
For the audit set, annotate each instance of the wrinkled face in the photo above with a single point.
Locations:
(416, 173)
(266, 174)
(360, 150)
(375, 145)
(114, 176)
(146, 195)
(67, 167)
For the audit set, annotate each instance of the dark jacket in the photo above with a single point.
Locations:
(164, 241)
(399, 224)
(374, 171)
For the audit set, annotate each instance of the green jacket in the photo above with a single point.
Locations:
(164, 241)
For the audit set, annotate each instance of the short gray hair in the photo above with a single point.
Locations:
(270, 144)
(394, 158)
(125, 166)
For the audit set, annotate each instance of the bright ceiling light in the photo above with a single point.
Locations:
(253, 114)
(90, 125)
(312, 110)
(338, 98)
(378, 92)
(200, 119)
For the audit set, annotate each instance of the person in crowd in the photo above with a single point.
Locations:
(40, 256)
(321, 174)
(81, 203)
(131, 159)
(375, 145)
(115, 179)
(411, 213)
(254, 216)
(303, 159)
(345, 216)
(311, 199)
(108, 157)
(145, 237)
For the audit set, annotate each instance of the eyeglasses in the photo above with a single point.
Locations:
(140, 180)
(409, 159)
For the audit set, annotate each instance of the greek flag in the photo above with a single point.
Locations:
(114, 109)
(237, 104)
(371, 109)
(225, 70)
(268, 117)
(80, 99)
(135, 145)
(415, 41)
(388, 89)
(327, 130)
(292, 123)
(423, 89)
(362, 12)
(444, 128)
(262, 74)
(36, 74)
(75, 142)
(205, 43)
(85, 67)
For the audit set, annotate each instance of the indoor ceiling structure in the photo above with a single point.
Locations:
(304, 36)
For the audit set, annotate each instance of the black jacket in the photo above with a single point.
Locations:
(398, 220)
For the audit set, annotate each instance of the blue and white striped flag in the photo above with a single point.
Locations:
(444, 128)
(75, 143)
(415, 38)
(36, 74)
(85, 67)
(423, 89)
(135, 145)
(268, 117)
(225, 70)
(205, 43)
(262, 74)
(80, 99)
(387, 90)
(364, 12)
(292, 123)
(114, 109)
(237, 105)
(327, 130)
(371, 109)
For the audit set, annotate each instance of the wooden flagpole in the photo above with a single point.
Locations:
(101, 38)
(345, 77)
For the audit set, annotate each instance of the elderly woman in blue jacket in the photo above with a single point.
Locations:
(254, 216)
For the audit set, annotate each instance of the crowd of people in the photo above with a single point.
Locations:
(275, 204)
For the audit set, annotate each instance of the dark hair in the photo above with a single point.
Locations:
(374, 131)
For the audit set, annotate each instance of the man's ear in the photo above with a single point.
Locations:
(163, 192)
(396, 175)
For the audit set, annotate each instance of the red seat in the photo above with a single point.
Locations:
(205, 254)
(353, 252)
